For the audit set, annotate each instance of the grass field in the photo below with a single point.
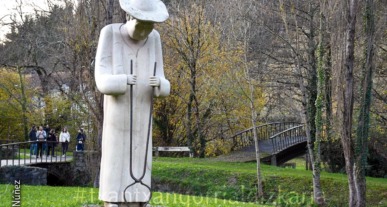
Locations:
(282, 186)
(211, 184)
(48, 196)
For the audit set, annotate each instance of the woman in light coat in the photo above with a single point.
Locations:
(64, 138)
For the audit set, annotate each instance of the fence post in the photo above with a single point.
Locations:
(156, 152)
(1, 152)
(274, 160)
(191, 154)
(13, 156)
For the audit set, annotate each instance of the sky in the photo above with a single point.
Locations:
(8, 8)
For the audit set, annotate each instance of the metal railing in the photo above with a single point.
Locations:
(31, 152)
(288, 138)
(6, 141)
(265, 131)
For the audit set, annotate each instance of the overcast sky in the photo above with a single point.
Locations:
(8, 8)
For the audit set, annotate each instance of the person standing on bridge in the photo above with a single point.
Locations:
(41, 137)
(45, 144)
(32, 136)
(51, 142)
(64, 138)
(81, 138)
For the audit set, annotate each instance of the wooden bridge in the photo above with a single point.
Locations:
(19, 153)
(278, 142)
(70, 169)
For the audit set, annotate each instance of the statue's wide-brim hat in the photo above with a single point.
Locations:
(145, 10)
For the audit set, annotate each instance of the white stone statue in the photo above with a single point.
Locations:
(127, 57)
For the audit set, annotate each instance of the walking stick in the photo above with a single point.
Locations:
(136, 180)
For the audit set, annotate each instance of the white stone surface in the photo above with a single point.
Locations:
(112, 73)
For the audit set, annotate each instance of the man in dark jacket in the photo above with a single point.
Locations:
(81, 138)
(51, 143)
(47, 129)
(32, 136)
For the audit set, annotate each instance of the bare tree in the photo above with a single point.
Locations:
(347, 99)
(362, 133)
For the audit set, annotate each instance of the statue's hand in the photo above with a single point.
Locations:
(154, 81)
(132, 79)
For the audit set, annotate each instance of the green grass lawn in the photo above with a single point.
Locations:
(47, 196)
(22, 156)
(214, 184)
(282, 186)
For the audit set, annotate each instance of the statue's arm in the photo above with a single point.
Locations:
(165, 87)
(107, 82)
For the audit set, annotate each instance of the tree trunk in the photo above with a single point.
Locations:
(99, 144)
(362, 133)
(257, 155)
(309, 97)
(190, 135)
(347, 99)
(328, 105)
(109, 12)
(199, 132)
(312, 112)
(23, 103)
(189, 122)
(318, 196)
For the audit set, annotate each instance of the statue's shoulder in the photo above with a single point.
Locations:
(154, 35)
(111, 28)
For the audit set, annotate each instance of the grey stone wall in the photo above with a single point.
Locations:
(79, 172)
(84, 167)
(8, 153)
(81, 176)
(26, 175)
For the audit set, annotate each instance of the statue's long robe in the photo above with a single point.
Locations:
(114, 54)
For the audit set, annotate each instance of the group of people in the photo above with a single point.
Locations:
(44, 141)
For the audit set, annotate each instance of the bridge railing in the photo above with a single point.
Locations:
(288, 138)
(24, 153)
(6, 141)
(265, 131)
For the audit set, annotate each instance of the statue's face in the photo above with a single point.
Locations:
(139, 30)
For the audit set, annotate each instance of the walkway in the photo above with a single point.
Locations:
(17, 162)
(247, 154)
(18, 153)
(278, 143)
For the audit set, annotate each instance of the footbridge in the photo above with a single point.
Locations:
(25, 153)
(278, 142)
(20, 160)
